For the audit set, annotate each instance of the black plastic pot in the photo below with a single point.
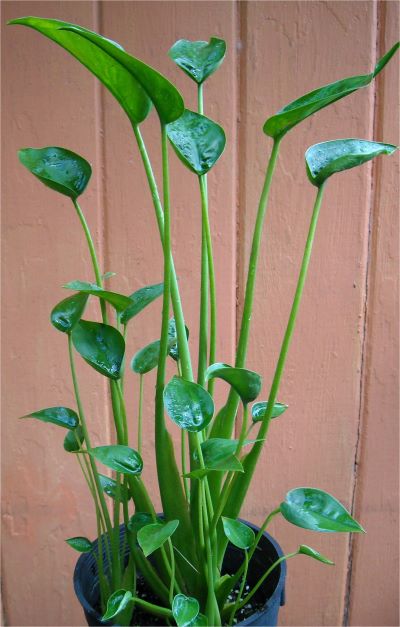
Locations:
(271, 595)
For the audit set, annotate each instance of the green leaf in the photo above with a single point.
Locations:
(73, 440)
(218, 454)
(61, 416)
(327, 158)
(109, 486)
(118, 301)
(113, 74)
(259, 410)
(68, 312)
(307, 550)
(185, 610)
(120, 458)
(199, 621)
(317, 510)
(140, 299)
(101, 346)
(80, 544)
(117, 602)
(300, 109)
(198, 59)
(238, 533)
(139, 520)
(245, 382)
(152, 537)
(173, 340)
(146, 358)
(188, 404)
(57, 168)
(198, 141)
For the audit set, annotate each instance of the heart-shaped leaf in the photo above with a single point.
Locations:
(73, 440)
(188, 404)
(259, 410)
(300, 109)
(238, 533)
(327, 158)
(317, 510)
(57, 168)
(307, 550)
(61, 416)
(152, 537)
(109, 486)
(68, 312)
(245, 382)
(139, 520)
(114, 75)
(198, 59)
(198, 141)
(146, 359)
(119, 301)
(101, 346)
(117, 602)
(80, 544)
(185, 610)
(173, 340)
(120, 458)
(199, 621)
(140, 299)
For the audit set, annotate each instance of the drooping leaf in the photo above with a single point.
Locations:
(327, 158)
(121, 458)
(117, 602)
(109, 486)
(198, 141)
(300, 109)
(80, 544)
(119, 301)
(139, 520)
(73, 440)
(238, 533)
(140, 299)
(68, 312)
(114, 75)
(57, 168)
(198, 59)
(185, 610)
(61, 416)
(146, 358)
(259, 410)
(173, 340)
(152, 537)
(245, 382)
(188, 404)
(307, 550)
(101, 346)
(317, 510)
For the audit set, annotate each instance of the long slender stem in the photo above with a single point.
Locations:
(239, 596)
(203, 326)
(140, 413)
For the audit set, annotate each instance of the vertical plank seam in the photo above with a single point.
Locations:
(377, 18)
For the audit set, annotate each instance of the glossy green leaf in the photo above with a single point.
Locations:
(120, 458)
(245, 382)
(57, 168)
(218, 455)
(198, 59)
(259, 410)
(173, 340)
(198, 141)
(68, 312)
(73, 440)
(113, 74)
(152, 537)
(307, 550)
(317, 510)
(199, 621)
(141, 299)
(327, 158)
(80, 544)
(109, 486)
(238, 533)
(61, 416)
(119, 301)
(139, 520)
(300, 109)
(146, 358)
(185, 610)
(117, 602)
(101, 346)
(188, 404)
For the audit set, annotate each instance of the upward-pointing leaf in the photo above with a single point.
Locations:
(117, 602)
(57, 168)
(119, 301)
(238, 533)
(140, 299)
(300, 109)
(185, 610)
(101, 346)
(146, 358)
(307, 550)
(152, 537)
(198, 59)
(61, 416)
(68, 312)
(245, 382)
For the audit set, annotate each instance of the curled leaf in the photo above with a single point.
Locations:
(119, 301)
(198, 59)
(101, 346)
(73, 440)
(121, 458)
(259, 410)
(245, 382)
(67, 313)
(117, 602)
(307, 550)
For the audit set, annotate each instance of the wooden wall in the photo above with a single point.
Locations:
(341, 432)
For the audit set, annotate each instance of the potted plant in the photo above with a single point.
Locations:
(196, 563)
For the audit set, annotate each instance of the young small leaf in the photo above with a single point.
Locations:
(198, 59)
(141, 299)
(61, 416)
(73, 440)
(327, 158)
(101, 346)
(119, 301)
(317, 510)
(152, 537)
(188, 404)
(146, 358)
(185, 610)
(245, 382)
(68, 312)
(80, 544)
(238, 533)
(307, 550)
(117, 602)
(259, 410)
(173, 340)
(58, 168)
(218, 454)
(109, 486)
(120, 458)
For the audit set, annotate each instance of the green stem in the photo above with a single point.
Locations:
(173, 582)
(140, 416)
(203, 326)
(239, 596)
(153, 609)
(116, 542)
